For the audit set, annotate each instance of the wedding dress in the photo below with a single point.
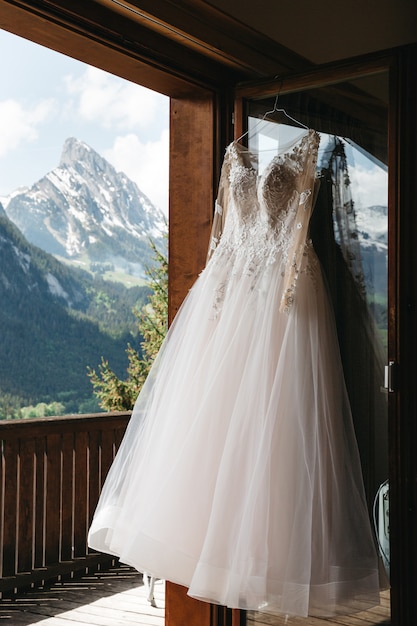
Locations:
(239, 475)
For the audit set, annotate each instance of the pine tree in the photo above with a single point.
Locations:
(119, 395)
(10, 407)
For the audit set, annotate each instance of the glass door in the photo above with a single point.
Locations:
(349, 231)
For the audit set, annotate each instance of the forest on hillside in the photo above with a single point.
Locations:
(51, 336)
(53, 347)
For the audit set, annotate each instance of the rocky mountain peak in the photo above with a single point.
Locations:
(85, 209)
(76, 153)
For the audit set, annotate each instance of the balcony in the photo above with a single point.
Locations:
(52, 471)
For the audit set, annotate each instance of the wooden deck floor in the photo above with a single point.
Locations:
(114, 598)
(119, 598)
(379, 615)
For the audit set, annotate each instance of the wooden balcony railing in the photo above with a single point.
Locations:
(52, 471)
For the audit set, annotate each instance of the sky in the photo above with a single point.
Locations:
(46, 97)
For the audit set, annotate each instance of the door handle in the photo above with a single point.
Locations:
(391, 377)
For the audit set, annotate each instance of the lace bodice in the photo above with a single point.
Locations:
(265, 217)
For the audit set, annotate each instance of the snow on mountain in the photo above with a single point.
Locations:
(26, 271)
(85, 208)
(372, 233)
(4, 200)
(372, 225)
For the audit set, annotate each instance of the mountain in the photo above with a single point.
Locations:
(371, 235)
(48, 334)
(372, 225)
(372, 228)
(87, 211)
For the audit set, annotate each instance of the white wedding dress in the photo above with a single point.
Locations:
(239, 475)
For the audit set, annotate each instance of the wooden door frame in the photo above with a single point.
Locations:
(200, 128)
(403, 335)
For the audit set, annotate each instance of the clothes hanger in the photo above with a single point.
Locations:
(275, 109)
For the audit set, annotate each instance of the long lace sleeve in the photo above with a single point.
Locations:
(307, 195)
(220, 209)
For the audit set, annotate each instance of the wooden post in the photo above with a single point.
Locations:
(193, 179)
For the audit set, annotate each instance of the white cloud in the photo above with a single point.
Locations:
(369, 186)
(19, 125)
(146, 163)
(139, 121)
(113, 102)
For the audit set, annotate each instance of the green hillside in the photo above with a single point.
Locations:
(55, 322)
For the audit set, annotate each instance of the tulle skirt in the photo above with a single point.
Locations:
(239, 475)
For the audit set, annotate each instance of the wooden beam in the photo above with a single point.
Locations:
(181, 609)
(169, 47)
(93, 34)
(317, 77)
(192, 165)
(205, 29)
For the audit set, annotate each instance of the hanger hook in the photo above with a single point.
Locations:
(277, 96)
(276, 109)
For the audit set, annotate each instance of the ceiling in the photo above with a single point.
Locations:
(328, 30)
(178, 46)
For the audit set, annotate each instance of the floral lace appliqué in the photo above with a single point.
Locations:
(266, 221)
